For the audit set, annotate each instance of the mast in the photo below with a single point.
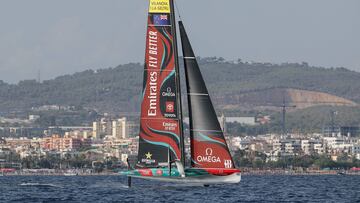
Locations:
(177, 81)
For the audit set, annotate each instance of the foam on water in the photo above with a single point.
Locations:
(39, 185)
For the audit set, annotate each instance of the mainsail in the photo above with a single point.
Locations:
(160, 126)
(208, 145)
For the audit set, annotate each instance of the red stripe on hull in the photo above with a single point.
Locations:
(222, 171)
(145, 172)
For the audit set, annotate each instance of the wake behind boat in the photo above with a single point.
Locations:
(161, 140)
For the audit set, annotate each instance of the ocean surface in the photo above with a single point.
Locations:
(332, 188)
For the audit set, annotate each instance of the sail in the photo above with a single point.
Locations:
(208, 145)
(160, 127)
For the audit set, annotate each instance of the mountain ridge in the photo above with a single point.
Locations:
(118, 89)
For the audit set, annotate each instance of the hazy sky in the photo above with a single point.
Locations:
(65, 36)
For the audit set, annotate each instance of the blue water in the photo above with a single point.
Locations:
(113, 189)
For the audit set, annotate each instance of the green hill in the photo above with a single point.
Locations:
(118, 89)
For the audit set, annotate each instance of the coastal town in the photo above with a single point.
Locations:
(104, 146)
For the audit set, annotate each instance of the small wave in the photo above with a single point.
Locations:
(109, 185)
(39, 185)
(183, 184)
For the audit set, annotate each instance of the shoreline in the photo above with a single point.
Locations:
(58, 174)
(243, 173)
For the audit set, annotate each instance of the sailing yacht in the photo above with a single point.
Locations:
(161, 140)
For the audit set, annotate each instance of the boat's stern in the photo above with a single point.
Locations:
(214, 175)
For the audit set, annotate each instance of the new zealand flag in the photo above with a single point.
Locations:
(161, 19)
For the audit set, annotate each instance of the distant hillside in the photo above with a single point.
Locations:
(272, 98)
(232, 85)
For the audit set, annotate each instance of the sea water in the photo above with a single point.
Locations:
(322, 188)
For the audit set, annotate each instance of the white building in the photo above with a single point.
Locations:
(120, 128)
(319, 148)
(33, 117)
(102, 128)
(310, 146)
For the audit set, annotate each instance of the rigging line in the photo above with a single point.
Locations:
(178, 11)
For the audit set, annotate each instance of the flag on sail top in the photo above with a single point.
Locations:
(161, 19)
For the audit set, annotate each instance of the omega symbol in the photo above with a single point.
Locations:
(209, 152)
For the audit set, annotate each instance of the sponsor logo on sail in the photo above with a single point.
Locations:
(148, 155)
(209, 157)
(148, 159)
(159, 6)
(170, 107)
(168, 93)
(153, 75)
(209, 152)
(169, 126)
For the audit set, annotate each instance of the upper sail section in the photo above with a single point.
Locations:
(208, 145)
(159, 123)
